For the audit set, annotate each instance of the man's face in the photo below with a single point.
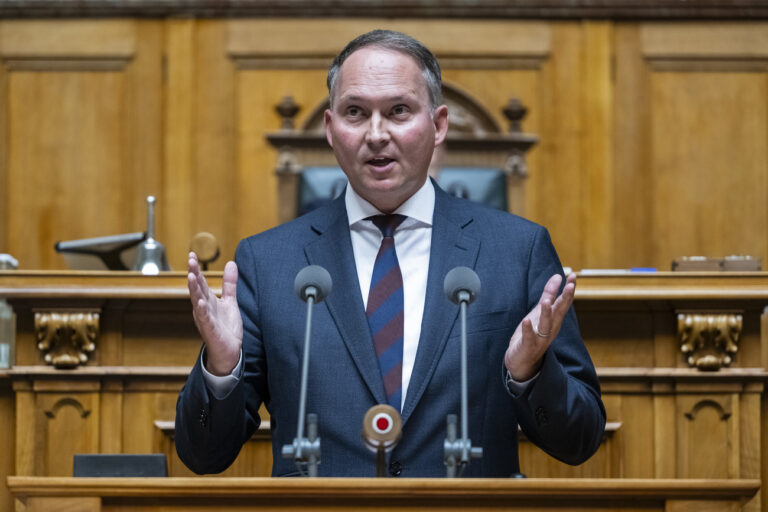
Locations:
(381, 128)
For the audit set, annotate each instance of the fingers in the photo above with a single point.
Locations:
(553, 308)
(545, 319)
(565, 300)
(551, 289)
(229, 281)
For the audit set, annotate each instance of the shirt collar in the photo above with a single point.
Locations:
(419, 207)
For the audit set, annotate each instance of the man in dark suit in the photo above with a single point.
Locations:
(527, 362)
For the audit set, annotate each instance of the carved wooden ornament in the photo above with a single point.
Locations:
(709, 340)
(66, 337)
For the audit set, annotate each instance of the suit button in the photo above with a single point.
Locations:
(203, 418)
(541, 417)
(395, 468)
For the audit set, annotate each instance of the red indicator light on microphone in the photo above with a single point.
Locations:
(382, 423)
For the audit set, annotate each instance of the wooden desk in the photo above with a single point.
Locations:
(668, 420)
(324, 494)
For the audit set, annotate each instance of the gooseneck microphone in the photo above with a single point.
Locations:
(312, 285)
(461, 286)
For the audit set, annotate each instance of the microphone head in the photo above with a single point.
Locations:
(382, 427)
(461, 279)
(313, 277)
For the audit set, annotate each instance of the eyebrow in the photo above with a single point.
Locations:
(355, 97)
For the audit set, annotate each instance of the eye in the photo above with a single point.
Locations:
(400, 110)
(353, 112)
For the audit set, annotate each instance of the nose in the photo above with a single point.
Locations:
(378, 131)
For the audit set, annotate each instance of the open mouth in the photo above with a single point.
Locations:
(380, 162)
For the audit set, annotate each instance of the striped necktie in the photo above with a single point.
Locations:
(385, 309)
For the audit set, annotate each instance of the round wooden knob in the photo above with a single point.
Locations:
(205, 246)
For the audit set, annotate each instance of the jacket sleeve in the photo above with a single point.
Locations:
(210, 432)
(561, 412)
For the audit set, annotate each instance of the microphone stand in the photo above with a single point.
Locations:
(458, 451)
(305, 449)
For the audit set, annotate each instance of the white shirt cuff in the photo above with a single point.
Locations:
(220, 386)
(518, 388)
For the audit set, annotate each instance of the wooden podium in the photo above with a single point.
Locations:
(681, 357)
(49, 494)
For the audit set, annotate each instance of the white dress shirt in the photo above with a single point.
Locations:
(413, 241)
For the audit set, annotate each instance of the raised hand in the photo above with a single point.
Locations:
(536, 331)
(217, 319)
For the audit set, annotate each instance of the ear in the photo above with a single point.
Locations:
(440, 118)
(328, 121)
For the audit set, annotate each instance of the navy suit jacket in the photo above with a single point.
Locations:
(561, 411)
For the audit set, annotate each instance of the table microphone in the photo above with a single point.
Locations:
(312, 285)
(461, 286)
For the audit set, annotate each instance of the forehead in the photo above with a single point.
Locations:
(372, 71)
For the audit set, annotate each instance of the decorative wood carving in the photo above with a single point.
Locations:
(66, 337)
(71, 402)
(287, 109)
(709, 340)
(721, 411)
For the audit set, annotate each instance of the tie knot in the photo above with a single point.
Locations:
(387, 224)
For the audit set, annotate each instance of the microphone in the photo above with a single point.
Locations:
(313, 281)
(461, 286)
(382, 429)
(312, 284)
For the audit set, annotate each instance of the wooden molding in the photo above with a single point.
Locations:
(521, 9)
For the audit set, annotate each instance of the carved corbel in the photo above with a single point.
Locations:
(709, 340)
(66, 337)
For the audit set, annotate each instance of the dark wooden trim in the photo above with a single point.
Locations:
(510, 9)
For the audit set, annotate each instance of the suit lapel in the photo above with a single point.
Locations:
(451, 247)
(333, 251)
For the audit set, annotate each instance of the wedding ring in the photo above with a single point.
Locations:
(539, 334)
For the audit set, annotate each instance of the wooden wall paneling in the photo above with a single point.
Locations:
(553, 193)
(26, 428)
(704, 98)
(624, 327)
(4, 221)
(216, 194)
(259, 90)
(596, 116)
(666, 348)
(148, 401)
(109, 349)
(179, 162)
(80, 133)
(159, 333)
(750, 447)
(111, 430)
(764, 446)
(707, 429)
(68, 422)
(635, 438)
(143, 124)
(664, 427)
(632, 191)
(7, 439)
(709, 133)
